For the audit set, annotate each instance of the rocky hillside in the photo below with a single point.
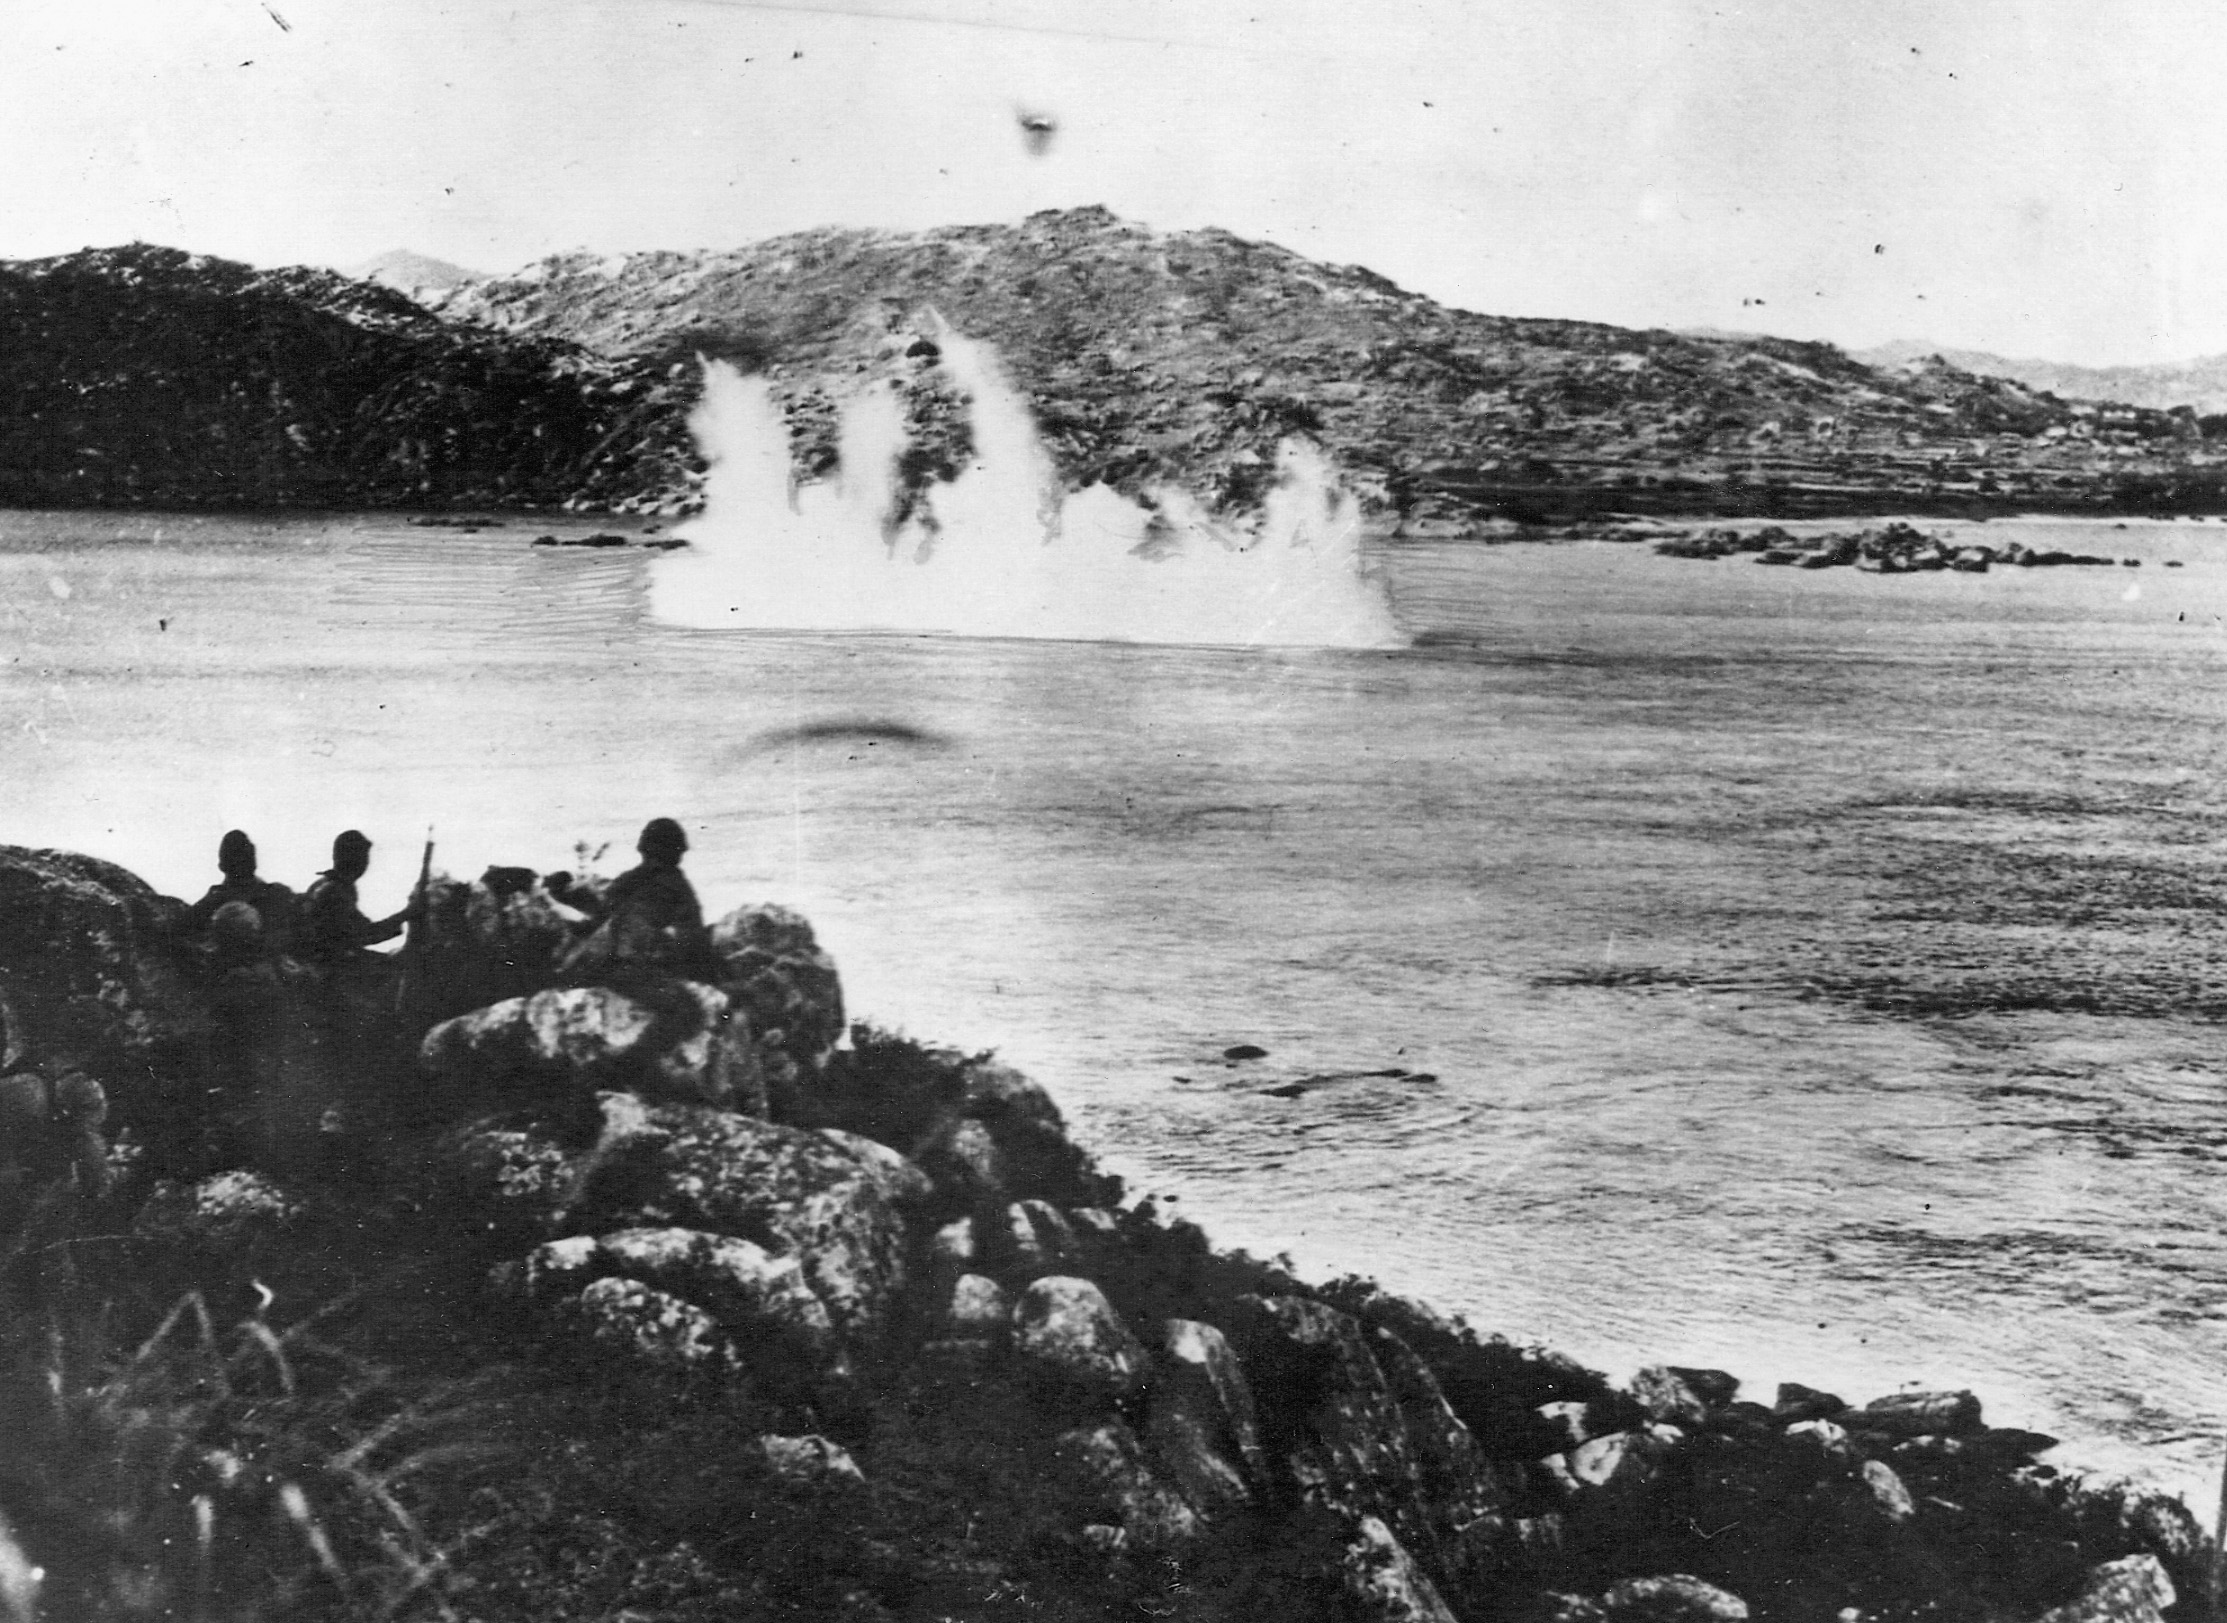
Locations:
(1186, 356)
(491, 1292)
(147, 376)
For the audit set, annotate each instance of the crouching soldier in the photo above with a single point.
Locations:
(645, 921)
(50, 1140)
(644, 936)
(263, 1094)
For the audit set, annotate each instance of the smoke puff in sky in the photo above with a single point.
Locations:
(2031, 178)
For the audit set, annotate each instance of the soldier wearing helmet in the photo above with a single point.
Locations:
(272, 902)
(352, 1001)
(647, 916)
(334, 930)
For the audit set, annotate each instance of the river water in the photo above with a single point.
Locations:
(1811, 974)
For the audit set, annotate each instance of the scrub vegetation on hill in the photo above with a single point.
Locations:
(146, 376)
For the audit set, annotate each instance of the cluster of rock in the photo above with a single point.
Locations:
(722, 1197)
(1892, 549)
(604, 538)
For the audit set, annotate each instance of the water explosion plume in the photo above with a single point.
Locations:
(1000, 551)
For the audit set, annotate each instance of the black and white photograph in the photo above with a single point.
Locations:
(983, 811)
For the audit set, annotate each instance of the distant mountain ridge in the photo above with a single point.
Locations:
(414, 273)
(2199, 384)
(1150, 359)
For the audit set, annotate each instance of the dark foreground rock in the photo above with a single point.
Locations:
(604, 1351)
(562, 1045)
(91, 979)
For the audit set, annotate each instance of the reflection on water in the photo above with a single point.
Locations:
(1808, 973)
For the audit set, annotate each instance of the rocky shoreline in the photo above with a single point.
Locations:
(1896, 548)
(748, 1311)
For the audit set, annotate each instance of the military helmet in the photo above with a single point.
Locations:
(236, 853)
(662, 838)
(236, 925)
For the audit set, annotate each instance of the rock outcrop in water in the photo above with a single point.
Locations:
(146, 376)
(880, 1342)
(1892, 549)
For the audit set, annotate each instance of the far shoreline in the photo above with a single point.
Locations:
(1488, 509)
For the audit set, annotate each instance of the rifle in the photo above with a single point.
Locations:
(416, 937)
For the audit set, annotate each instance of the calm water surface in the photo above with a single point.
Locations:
(1817, 975)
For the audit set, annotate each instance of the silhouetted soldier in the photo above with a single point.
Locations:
(647, 918)
(334, 932)
(355, 987)
(272, 901)
(647, 936)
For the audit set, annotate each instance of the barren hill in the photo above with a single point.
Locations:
(1185, 356)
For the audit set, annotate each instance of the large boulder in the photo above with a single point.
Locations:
(978, 1310)
(1041, 1240)
(1069, 1336)
(503, 1180)
(561, 1046)
(963, 1158)
(1201, 1370)
(1109, 1462)
(2109, 1513)
(1036, 1158)
(652, 1329)
(92, 974)
(795, 1192)
(2132, 1589)
(481, 943)
(760, 1302)
(1201, 1423)
(239, 1219)
(785, 983)
(1469, 1517)
(1669, 1397)
(899, 1179)
(987, 1135)
(1363, 1431)
(1917, 1414)
(1383, 1582)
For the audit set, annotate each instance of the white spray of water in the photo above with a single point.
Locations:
(999, 551)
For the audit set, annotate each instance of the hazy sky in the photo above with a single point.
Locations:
(2037, 179)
